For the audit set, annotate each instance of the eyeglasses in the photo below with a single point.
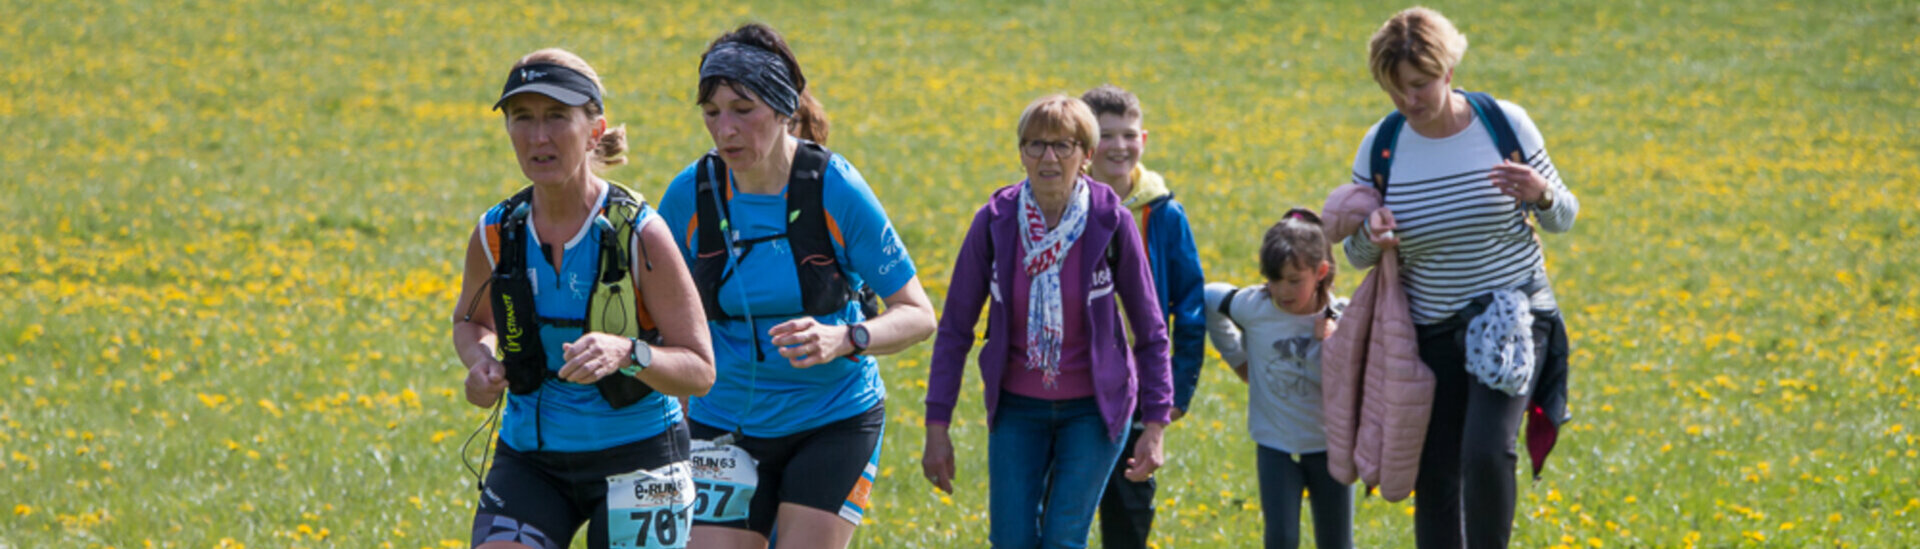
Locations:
(1038, 149)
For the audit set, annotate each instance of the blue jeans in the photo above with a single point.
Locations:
(1047, 464)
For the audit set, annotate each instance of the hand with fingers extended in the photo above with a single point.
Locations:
(936, 459)
(807, 343)
(486, 380)
(1519, 181)
(594, 356)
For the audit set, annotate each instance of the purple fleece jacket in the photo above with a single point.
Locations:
(1122, 377)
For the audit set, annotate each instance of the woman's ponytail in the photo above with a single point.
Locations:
(810, 120)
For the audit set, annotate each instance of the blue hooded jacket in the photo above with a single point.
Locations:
(1174, 261)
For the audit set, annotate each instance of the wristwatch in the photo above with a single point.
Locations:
(858, 336)
(641, 355)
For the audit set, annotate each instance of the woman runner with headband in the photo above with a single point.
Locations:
(784, 235)
(589, 427)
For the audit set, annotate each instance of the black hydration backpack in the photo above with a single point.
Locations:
(824, 288)
(609, 310)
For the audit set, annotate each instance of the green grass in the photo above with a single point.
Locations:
(232, 232)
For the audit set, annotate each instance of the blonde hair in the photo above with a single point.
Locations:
(612, 149)
(1417, 35)
(1061, 112)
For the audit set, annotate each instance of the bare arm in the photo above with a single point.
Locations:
(473, 336)
(683, 364)
(907, 321)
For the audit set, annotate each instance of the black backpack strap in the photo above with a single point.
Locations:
(1226, 309)
(1381, 158)
(710, 250)
(515, 317)
(1226, 304)
(1495, 120)
(824, 289)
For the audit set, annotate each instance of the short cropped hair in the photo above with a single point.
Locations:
(1111, 99)
(1416, 35)
(1061, 113)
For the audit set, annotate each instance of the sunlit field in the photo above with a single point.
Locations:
(233, 232)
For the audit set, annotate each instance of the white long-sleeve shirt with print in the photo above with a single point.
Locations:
(1283, 365)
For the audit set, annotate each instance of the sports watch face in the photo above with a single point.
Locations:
(858, 334)
(642, 357)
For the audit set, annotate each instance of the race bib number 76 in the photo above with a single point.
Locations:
(650, 509)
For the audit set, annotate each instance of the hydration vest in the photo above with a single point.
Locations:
(811, 234)
(1491, 117)
(609, 310)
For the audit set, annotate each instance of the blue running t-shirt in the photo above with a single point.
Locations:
(760, 394)
(563, 416)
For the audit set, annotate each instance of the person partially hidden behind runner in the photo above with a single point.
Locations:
(1127, 509)
(556, 310)
(790, 247)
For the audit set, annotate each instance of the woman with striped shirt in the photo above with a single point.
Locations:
(1457, 211)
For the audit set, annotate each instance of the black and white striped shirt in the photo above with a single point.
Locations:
(1459, 236)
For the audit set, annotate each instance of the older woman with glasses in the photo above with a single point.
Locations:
(1053, 252)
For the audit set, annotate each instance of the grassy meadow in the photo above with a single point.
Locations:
(233, 232)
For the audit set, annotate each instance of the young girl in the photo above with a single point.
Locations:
(1271, 335)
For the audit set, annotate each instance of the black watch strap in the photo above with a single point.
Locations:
(857, 335)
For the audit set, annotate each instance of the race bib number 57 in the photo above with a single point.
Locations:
(726, 477)
(650, 509)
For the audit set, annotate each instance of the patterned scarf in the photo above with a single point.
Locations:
(1045, 252)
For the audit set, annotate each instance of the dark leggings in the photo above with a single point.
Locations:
(1282, 478)
(1469, 456)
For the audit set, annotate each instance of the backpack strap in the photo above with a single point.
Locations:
(515, 318)
(1146, 220)
(609, 310)
(1226, 304)
(1491, 116)
(1384, 141)
(612, 314)
(812, 234)
(1494, 119)
(710, 226)
(1113, 254)
(1226, 308)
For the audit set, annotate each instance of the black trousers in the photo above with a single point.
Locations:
(1282, 477)
(1126, 511)
(1464, 496)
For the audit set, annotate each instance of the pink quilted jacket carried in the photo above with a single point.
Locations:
(1376, 394)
